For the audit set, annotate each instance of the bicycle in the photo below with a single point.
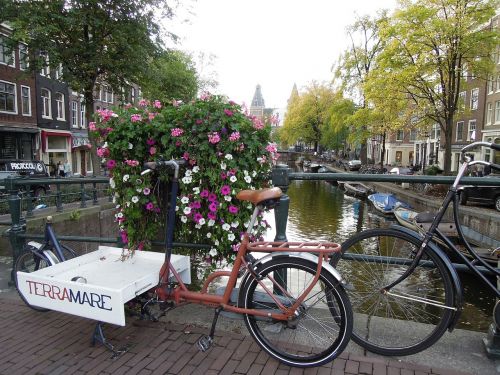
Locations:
(36, 256)
(404, 289)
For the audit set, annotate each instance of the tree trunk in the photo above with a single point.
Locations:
(382, 157)
(89, 113)
(447, 149)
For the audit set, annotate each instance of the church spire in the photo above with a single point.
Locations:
(257, 106)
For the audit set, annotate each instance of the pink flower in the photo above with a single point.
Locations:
(272, 148)
(135, 118)
(152, 115)
(197, 217)
(185, 156)
(205, 96)
(176, 103)
(124, 237)
(212, 197)
(150, 206)
(132, 163)
(213, 137)
(100, 152)
(178, 143)
(199, 121)
(111, 164)
(105, 114)
(234, 136)
(92, 126)
(212, 215)
(140, 246)
(176, 132)
(143, 102)
(196, 204)
(157, 104)
(275, 119)
(204, 193)
(226, 190)
(213, 207)
(233, 209)
(228, 112)
(152, 150)
(146, 191)
(223, 175)
(150, 141)
(257, 123)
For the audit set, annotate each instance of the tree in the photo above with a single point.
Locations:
(429, 44)
(172, 75)
(93, 40)
(356, 63)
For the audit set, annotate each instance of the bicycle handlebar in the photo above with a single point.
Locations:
(152, 165)
(493, 146)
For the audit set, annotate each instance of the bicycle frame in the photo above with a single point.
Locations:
(181, 294)
(44, 251)
(452, 196)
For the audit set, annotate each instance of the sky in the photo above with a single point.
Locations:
(274, 43)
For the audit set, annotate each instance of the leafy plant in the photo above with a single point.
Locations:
(226, 151)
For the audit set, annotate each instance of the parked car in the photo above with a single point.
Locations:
(489, 195)
(28, 169)
(354, 165)
(401, 170)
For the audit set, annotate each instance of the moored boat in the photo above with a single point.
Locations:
(386, 203)
(357, 189)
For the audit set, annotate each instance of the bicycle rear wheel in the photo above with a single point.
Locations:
(323, 324)
(414, 315)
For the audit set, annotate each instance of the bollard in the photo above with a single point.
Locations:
(59, 204)
(83, 201)
(279, 176)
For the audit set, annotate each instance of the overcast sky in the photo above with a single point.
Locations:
(274, 43)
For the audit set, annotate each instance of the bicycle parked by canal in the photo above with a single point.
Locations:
(404, 290)
(292, 300)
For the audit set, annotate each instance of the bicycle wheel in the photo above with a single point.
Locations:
(323, 323)
(412, 317)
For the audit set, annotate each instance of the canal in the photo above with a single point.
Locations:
(321, 211)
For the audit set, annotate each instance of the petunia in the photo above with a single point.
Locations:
(146, 191)
(152, 150)
(150, 206)
(228, 112)
(92, 126)
(204, 193)
(176, 132)
(234, 136)
(233, 209)
(111, 164)
(135, 118)
(233, 179)
(157, 104)
(213, 207)
(225, 190)
(212, 197)
(135, 199)
(150, 142)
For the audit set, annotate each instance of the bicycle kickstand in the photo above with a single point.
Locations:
(205, 342)
(98, 336)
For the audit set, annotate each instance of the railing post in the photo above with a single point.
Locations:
(279, 176)
(94, 193)
(83, 202)
(17, 226)
(29, 201)
(59, 204)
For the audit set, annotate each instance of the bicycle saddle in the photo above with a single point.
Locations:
(259, 196)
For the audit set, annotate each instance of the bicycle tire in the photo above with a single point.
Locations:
(389, 324)
(29, 261)
(325, 315)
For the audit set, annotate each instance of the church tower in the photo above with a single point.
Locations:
(257, 106)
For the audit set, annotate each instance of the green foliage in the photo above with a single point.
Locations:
(74, 215)
(226, 152)
(171, 75)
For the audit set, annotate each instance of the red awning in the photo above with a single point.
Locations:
(46, 134)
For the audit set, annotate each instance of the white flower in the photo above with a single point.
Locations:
(211, 223)
(139, 190)
(197, 226)
(130, 146)
(176, 208)
(248, 179)
(216, 242)
(245, 173)
(209, 235)
(119, 215)
(196, 169)
(196, 190)
(125, 178)
(227, 198)
(187, 180)
(201, 221)
(213, 252)
(184, 200)
(254, 174)
(117, 195)
(188, 173)
(229, 157)
(105, 145)
(223, 166)
(138, 181)
(187, 210)
(184, 219)
(235, 224)
(117, 206)
(135, 199)
(263, 224)
(246, 224)
(127, 204)
(226, 226)
(233, 179)
(230, 237)
(112, 183)
(114, 199)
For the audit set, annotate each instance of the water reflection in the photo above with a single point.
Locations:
(321, 211)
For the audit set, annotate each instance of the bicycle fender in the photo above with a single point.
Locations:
(308, 256)
(451, 270)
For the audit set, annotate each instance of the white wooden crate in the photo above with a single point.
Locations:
(110, 282)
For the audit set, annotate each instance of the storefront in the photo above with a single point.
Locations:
(81, 164)
(56, 148)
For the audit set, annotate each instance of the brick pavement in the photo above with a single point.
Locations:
(54, 343)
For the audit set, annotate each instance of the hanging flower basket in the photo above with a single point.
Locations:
(226, 151)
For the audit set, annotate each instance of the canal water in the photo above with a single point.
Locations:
(321, 211)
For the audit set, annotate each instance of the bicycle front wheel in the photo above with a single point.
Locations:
(322, 326)
(415, 313)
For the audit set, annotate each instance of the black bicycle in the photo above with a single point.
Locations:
(404, 290)
(35, 256)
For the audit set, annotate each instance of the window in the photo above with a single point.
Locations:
(497, 112)
(460, 131)
(132, 95)
(59, 72)
(474, 99)
(74, 114)
(399, 156)
(399, 135)
(6, 53)
(489, 113)
(25, 100)
(83, 120)
(413, 135)
(498, 83)
(60, 106)
(46, 104)
(46, 68)
(8, 97)
(106, 94)
(472, 130)
(491, 83)
(23, 57)
(461, 100)
(436, 131)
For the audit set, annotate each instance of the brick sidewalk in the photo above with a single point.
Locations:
(55, 343)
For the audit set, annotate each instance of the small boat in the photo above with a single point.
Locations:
(357, 189)
(386, 203)
(324, 169)
(314, 167)
(406, 217)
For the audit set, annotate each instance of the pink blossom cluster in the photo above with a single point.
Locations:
(103, 152)
(228, 112)
(257, 123)
(132, 163)
(105, 114)
(213, 137)
(157, 104)
(234, 136)
(143, 103)
(92, 126)
(135, 118)
(176, 132)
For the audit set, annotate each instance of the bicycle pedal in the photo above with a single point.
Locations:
(204, 343)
